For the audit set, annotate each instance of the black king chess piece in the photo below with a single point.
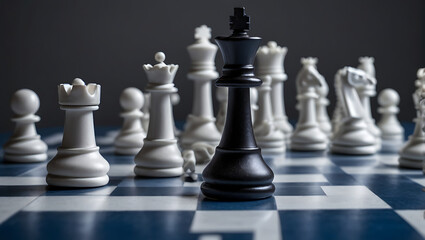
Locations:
(237, 170)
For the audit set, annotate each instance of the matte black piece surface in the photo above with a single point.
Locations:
(237, 170)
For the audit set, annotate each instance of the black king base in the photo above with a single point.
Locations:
(237, 170)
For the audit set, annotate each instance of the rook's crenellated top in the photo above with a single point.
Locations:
(269, 61)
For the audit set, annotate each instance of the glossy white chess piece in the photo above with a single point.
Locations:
(352, 135)
(130, 138)
(160, 155)
(78, 162)
(25, 145)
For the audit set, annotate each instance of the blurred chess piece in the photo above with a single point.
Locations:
(391, 129)
(412, 154)
(269, 138)
(200, 124)
(78, 162)
(321, 104)
(175, 100)
(422, 106)
(308, 136)
(25, 145)
(270, 61)
(145, 111)
(338, 110)
(365, 93)
(130, 138)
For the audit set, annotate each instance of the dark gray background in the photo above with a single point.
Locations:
(47, 42)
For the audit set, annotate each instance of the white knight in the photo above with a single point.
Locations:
(351, 135)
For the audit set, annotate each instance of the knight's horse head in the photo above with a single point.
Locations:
(309, 76)
(359, 78)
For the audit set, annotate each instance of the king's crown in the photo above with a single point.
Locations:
(79, 94)
(160, 73)
(202, 52)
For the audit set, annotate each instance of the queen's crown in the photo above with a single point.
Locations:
(160, 73)
(79, 94)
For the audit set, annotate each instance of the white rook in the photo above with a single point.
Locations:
(78, 162)
(269, 61)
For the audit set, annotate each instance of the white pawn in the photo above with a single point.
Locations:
(391, 129)
(307, 135)
(25, 145)
(130, 138)
(268, 137)
(78, 162)
(412, 154)
(221, 95)
(160, 155)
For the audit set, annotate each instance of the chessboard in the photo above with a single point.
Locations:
(318, 196)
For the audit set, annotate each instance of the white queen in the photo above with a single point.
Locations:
(160, 155)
